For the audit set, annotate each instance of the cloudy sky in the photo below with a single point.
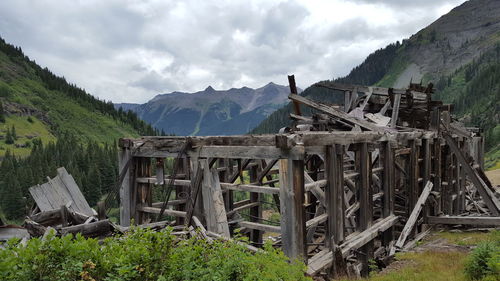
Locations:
(129, 51)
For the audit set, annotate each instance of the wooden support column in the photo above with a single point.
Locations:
(127, 206)
(256, 211)
(388, 188)
(447, 178)
(293, 224)
(426, 171)
(365, 197)
(144, 196)
(334, 195)
(181, 192)
(224, 173)
(413, 187)
(437, 173)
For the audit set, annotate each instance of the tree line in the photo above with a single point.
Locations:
(94, 167)
(54, 82)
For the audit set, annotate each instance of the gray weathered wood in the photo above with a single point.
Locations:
(292, 213)
(213, 203)
(491, 201)
(334, 194)
(410, 223)
(126, 188)
(395, 110)
(336, 113)
(260, 226)
(456, 220)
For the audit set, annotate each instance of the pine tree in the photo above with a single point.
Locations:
(8, 137)
(2, 113)
(13, 132)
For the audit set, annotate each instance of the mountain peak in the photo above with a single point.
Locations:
(209, 89)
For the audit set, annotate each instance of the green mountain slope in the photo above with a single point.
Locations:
(46, 123)
(42, 106)
(458, 53)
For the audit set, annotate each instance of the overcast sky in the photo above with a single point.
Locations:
(129, 51)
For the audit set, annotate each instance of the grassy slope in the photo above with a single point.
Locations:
(434, 263)
(62, 111)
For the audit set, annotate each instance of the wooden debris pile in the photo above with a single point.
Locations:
(61, 207)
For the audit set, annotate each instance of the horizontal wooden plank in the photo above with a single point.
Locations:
(243, 207)
(153, 210)
(260, 226)
(480, 221)
(250, 188)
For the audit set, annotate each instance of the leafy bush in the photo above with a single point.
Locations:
(484, 261)
(142, 255)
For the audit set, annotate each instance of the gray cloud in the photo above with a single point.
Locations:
(129, 51)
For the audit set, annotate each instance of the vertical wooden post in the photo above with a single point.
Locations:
(127, 207)
(413, 193)
(181, 191)
(255, 212)
(213, 203)
(144, 191)
(437, 173)
(365, 196)
(461, 178)
(427, 158)
(334, 194)
(293, 90)
(388, 188)
(395, 110)
(293, 226)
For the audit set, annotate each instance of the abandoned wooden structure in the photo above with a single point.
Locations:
(354, 185)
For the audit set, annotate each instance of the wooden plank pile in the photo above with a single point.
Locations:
(60, 205)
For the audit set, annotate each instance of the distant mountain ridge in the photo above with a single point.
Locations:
(211, 112)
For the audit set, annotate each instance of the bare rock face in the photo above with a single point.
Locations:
(211, 112)
(456, 38)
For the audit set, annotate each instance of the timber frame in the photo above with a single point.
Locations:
(342, 196)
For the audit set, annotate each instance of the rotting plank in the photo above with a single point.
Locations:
(412, 219)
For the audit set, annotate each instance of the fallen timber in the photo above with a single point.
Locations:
(363, 180)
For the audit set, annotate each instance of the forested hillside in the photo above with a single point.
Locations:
(45, 123)
(458, 53)
(55, 106)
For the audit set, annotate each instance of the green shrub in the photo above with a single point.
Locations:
(142, 255)
(484, 261)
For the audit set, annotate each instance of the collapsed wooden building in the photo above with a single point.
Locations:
(351, 182)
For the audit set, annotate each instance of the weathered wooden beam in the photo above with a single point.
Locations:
(489, 199)
(242, 207)
(365, 194)
(412, 219)
(153, 210)
(260, 226)
(334, 194)
(456, 220)
(213, 203)
(293, 90)
(126, 189)
(352, 242)
(388, 187)
(395, 110)
(93, 229)
(255, 211)
(293, 224)
(336, 113)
